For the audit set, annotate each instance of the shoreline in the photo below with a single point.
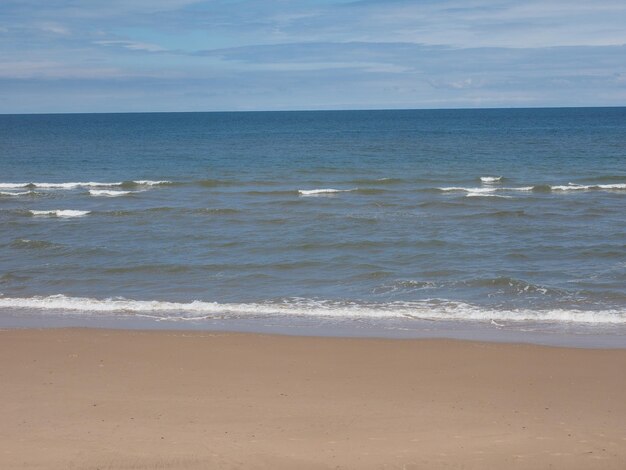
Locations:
(576, 335)
(102, 398)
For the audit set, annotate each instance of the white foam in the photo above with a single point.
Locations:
(564, 188)
(477, 194)
(108, 192)
(490, 179)
(75, 185)
(431, 309)
(484, 191)
(481, 192)
(78, 184)
(313, 192)
(151, 183)
(583, 187)
(8, 193)
(457, 188)
(570, 187)
(60, 213)
(469, 190)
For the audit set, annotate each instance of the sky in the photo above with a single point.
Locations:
(236, 55)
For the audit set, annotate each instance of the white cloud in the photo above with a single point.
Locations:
(256, 54)
(52, 69)
(132, 45)
(64, 70)
(55, 28)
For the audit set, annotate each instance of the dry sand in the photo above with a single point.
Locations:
(101, 399)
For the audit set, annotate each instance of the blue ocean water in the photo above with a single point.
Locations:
(508, 218)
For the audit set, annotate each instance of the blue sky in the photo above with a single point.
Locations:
(186, 55)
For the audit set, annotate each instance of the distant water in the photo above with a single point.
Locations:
(364, 219)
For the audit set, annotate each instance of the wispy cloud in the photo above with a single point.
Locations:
(132, 45)
(64, 55)
(54, 28)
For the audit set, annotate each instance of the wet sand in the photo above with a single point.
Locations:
(106, 399)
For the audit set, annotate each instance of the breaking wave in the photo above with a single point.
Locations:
(67, 213)
(539, 188)
(317, 192)
(109, 193)
(432, 309)
(88, 184)
(477, 194)
(490, 179)
(589, 187)
(485, 190)
(10, 193)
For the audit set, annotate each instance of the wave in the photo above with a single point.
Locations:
(73, 185)
(109, 193)
(490, 179)
(63, 213)
(147, 183)
(89, 184)
(468, 190)
(14, 185)
(24, 243)
(317, 192)
(21, 193)
(483, 190)
(82, 184)
(589, 187)
(475, 194)
(539, 188)
(431, 309)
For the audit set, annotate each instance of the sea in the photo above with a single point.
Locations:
(501, 224)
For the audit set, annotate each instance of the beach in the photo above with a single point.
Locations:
(356, 235)
(115, 399)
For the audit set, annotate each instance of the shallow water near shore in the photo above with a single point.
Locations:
(392, 223)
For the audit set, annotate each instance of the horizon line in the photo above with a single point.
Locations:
(315, 110)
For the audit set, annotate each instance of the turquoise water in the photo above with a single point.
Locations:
(383, 219)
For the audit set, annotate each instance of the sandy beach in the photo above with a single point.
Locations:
(103, 399)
